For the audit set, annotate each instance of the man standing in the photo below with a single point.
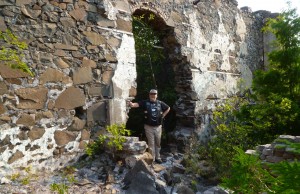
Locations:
(154, 113)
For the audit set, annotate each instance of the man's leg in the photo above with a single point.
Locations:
(150, 137)
(157, 137)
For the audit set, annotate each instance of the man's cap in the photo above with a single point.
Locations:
(153, 91)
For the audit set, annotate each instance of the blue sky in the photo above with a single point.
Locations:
(269, 5)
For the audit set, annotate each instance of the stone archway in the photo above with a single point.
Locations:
(174, 69)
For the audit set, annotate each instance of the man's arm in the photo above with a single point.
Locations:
(134, 105)
(166, 112)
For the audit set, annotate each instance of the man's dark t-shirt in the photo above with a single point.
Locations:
(153, 111)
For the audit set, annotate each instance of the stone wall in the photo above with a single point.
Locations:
(280, 149)
(82, 54)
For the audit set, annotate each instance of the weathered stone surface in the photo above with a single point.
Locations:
(140, 166)
(85, 135)
(68, 22)
(95, 91)
(22, 135)
(22, 2)
(3, 88)
(36, 133)
(142, 183)
(53, 75)
(32, 98)
(79, 14)
(41, 115)
(30, 12)
(71, 98)
(59, 53)
(107, 76)
(5, 141)
(26, 119)
(77, 124)
(16, 156)
(124, 25)
(82, 75)
(7, 72)
(97, 113)
(94, 38)
(16, 81)
(88, 63)
(106, 23)
(64, 137)
(131, 160)
(2, 108)
(114, 42)
(65, 47)
(2, 24)
(61, 63)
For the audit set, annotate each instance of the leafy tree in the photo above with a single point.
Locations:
(11, 51)
(277, 90)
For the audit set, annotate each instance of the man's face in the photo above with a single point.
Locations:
(152, 96)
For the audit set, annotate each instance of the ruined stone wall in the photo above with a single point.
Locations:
(82, 54)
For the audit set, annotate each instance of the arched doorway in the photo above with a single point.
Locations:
(155, 44)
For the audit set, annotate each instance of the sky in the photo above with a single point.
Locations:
(269, 5)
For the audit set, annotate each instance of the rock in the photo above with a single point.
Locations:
(4, 180)
(185, 190)
(64, 137)
(142, 183)
(36, 133)
(71, 98)
(131, 160)
(140, 166)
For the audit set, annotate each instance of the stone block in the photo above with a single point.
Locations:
(3, 88)
(95, 91)
(97, 113)
(274, 159)
(64, 137)
(53, 75)
(82, 75)
(2, 108)
(61, 63)
(79, 14)
(32, 98)
(70, 98)
(7, 72)
(2, 24)
(36, 133)
(124, 25)
(94, 38)
(67, 22)
(16, 156)
(77, 124)
(268, 152)
(26, 119)
(131, 160)
(85, 135)
(88, 63)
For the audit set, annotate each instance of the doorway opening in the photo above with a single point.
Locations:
(155, 46)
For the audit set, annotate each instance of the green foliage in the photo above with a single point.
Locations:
(287, 177)
(114, 139)
(60, 188)
(277, 90)
(11, 51)
(24, 180)
(248, 175)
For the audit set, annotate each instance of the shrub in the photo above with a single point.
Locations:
(114, 139)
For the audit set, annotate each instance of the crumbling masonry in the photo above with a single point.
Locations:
(82, 53)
